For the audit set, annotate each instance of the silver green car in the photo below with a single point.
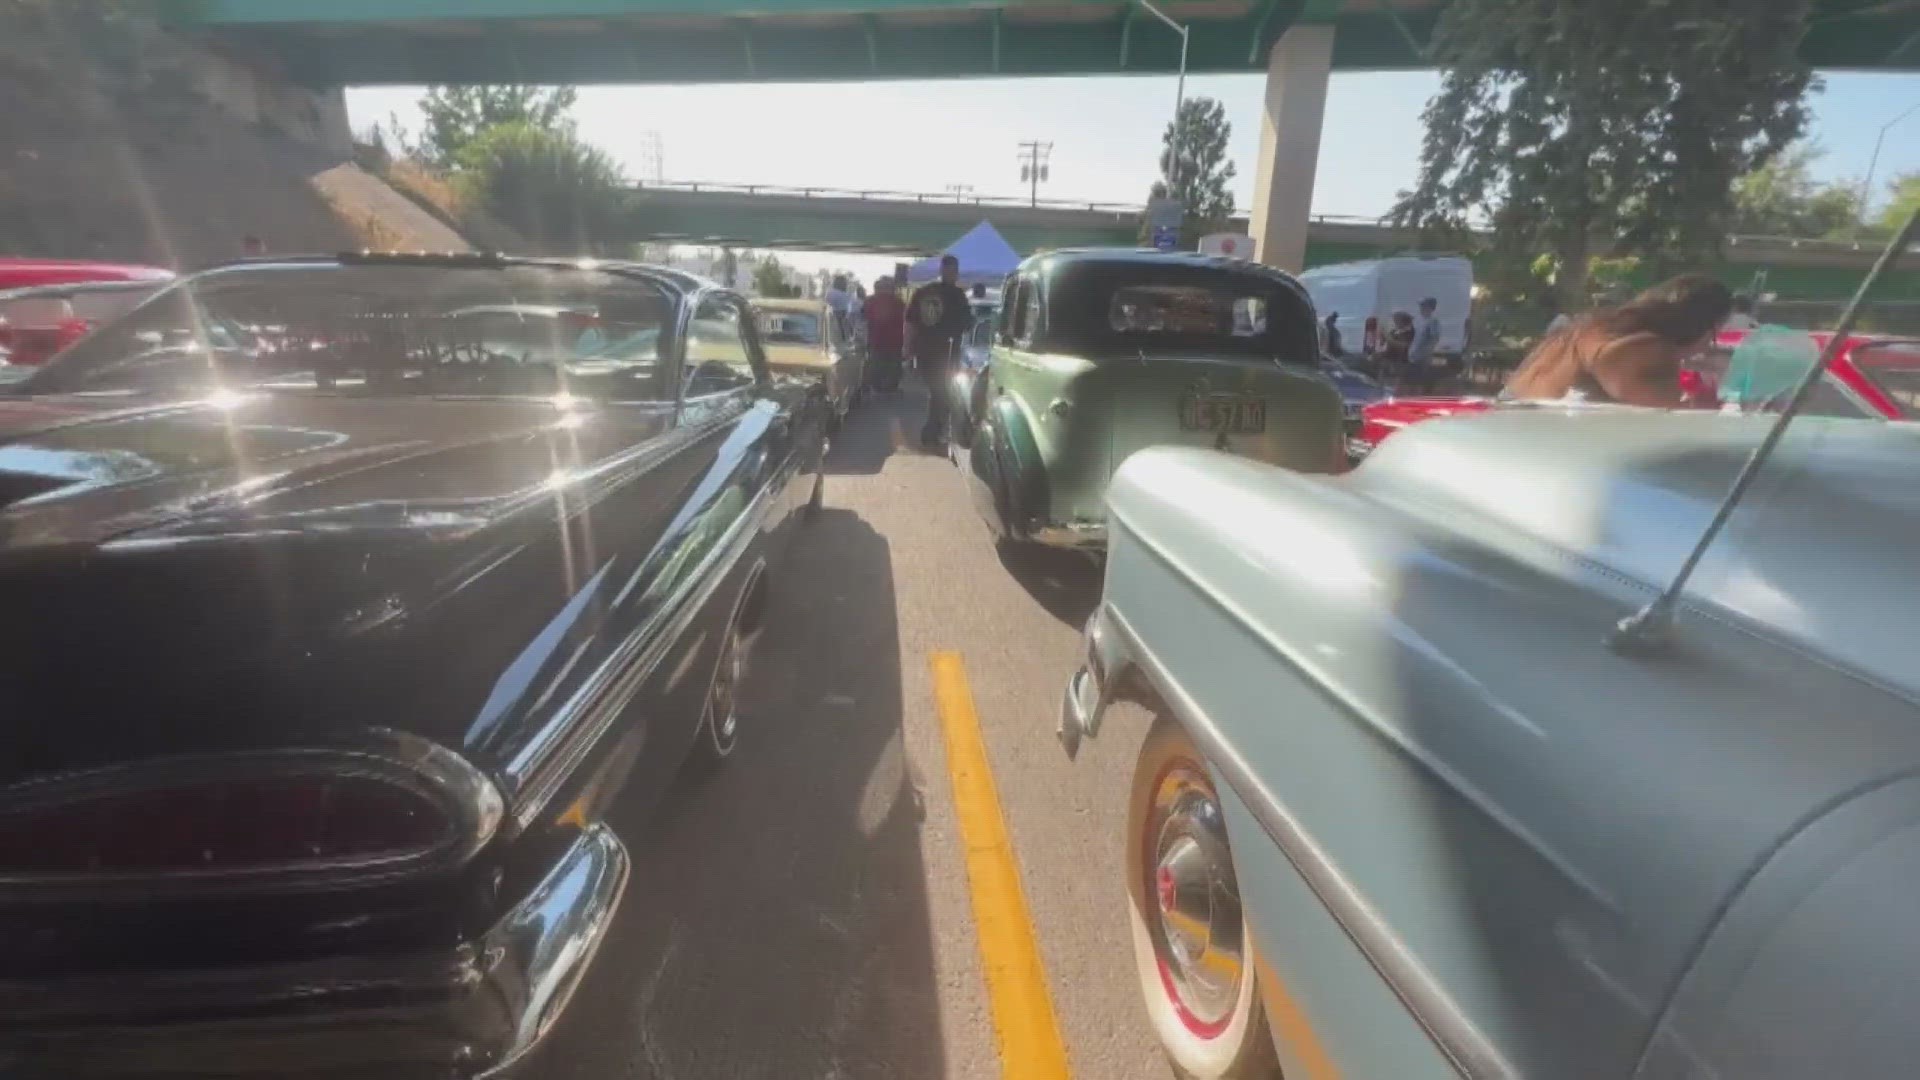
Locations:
(1097, 354)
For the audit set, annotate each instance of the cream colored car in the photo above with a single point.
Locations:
(803, 338)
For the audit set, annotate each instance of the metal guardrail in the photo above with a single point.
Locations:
(932, 199)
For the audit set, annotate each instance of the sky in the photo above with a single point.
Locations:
(925, 136)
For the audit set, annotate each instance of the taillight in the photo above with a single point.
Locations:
(70, 331)
(224, 825)
(260, 815)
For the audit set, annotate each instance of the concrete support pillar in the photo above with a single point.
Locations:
(336, 134)
(1297, 72)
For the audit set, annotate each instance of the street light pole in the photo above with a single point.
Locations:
(1866, 185)
(1179, 88)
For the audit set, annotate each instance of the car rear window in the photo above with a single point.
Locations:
(1185, 311)
(1144, 309)
(790, 328)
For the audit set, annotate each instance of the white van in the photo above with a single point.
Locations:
(1380, 287)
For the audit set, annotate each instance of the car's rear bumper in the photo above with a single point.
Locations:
(474, 1010)
(1072, 535)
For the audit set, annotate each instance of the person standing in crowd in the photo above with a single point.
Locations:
(1332, 345)
(1742, 317)
(839, 300)
(1394, 347)
(1370, 343)
(886, 335)
(938, 318)
(1631, 353)
(1423, 359)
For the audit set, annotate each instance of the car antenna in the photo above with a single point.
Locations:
(1649, 631)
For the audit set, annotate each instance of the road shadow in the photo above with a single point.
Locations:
(1066, 583)
(885, 422)
(777, 923)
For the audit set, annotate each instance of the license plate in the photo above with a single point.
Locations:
(1233, 415)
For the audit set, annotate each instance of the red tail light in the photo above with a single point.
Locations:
(268, 817)
(226, 825)
(70, 331)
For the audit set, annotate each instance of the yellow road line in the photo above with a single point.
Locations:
(1024, 1024)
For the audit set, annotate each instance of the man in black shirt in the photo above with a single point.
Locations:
(938, 318)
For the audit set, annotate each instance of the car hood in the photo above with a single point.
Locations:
(91, 469)
(219, 575)
(1816, 556)
(1355, 388)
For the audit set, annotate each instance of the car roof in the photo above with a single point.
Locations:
(1151, 257)
(1069, 263)
(33, 272)
(74, 288)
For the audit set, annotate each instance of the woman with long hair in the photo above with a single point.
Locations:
(1631, 353)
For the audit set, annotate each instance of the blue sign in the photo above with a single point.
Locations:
(1166, 237)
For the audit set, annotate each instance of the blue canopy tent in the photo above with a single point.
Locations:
(985, 258)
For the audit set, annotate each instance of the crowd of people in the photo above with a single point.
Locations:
(1631, 352)
(929, 329)
(1404, 354)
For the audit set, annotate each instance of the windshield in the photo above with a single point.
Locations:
(790, 327)
(380, 329)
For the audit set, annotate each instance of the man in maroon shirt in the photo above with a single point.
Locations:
(886, 335)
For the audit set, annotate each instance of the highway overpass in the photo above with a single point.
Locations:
(914, 224)
(360, 42)
(1297, 43)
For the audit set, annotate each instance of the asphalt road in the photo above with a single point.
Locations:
(805, 912)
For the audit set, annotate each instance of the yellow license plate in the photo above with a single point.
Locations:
(1233, 415)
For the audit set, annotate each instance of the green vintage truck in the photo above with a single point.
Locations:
(1099, 353)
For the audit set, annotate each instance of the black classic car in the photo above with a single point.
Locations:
(323, 659)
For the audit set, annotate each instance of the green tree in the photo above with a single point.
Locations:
(1903, 198)
(1781, 198)
(546, 183)
(453, 118)
(1560, 123)
(1194, 168)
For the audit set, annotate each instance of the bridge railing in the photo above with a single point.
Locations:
(933, 198)
(1135, 209)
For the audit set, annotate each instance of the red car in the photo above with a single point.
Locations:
(48, 304)
(27, 273)
(1871, 376)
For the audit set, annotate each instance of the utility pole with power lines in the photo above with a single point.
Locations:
(1034, 156)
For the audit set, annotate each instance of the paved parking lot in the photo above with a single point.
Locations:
(806, 912)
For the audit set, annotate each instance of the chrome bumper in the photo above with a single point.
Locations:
(1075, 535)
(1089, 688)
(474, 1010)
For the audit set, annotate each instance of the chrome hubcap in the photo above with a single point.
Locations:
(1198, 902)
